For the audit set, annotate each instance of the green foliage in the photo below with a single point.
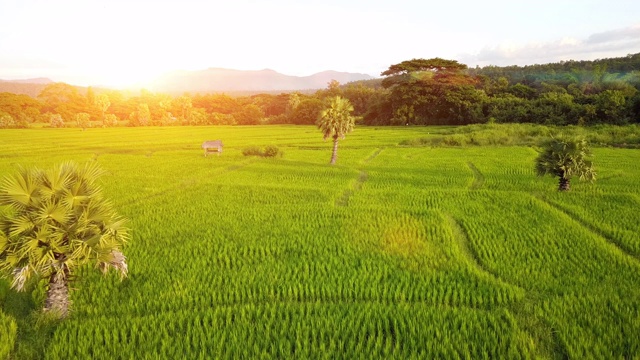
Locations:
(306, 112)
(336, 121)
(21, 108)
(35, 328)
(252, 151)
(141, 117)
(221, 119)
(183, 107)
(413, 92)
(216, 103)
(110, 120)
(57, 221)
(508, 108)
(272, 151)
(62, 99)
(8, 330)
(421, 65)
(271, 105)
(6, 121)
(526, 135)
(269, 151)
(249, 115)
(433, 91)
(83, 120)
(56, 121)
(102, 102)
(565, 158)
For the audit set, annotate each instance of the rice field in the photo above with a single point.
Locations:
(398, 252)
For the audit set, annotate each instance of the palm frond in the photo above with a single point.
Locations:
(565, 158)
(54, 182)
(92, 171)
(336, 119)
(116, 260)
(20, 190)
(53, 211)
(4, 242)
(57, 220)
(20, 277)
(21, 225)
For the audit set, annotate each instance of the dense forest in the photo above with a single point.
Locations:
(414, 92)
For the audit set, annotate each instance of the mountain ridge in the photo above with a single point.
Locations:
(39, 80)
(223, 79)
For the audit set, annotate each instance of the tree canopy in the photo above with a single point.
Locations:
(564, 159)
(432, 91)
(335, 121)
(57, 221)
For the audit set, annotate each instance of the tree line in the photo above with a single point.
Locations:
(413, 92)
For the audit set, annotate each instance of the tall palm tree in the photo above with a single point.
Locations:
(565, 158)
(336, 121)
(53, 222)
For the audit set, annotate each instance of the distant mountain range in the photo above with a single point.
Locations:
(219, 80)
(29, 81)
(213, 80)
(31, 87)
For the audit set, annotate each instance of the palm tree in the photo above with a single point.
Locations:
(336, 121)
(565, 158)
(54, 222)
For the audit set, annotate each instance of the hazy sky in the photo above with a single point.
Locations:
(121, 42)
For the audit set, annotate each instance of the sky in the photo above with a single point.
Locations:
(124, 43)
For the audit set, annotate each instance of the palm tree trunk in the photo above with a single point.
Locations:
(334, 155)
(563, 184)
(57, 295)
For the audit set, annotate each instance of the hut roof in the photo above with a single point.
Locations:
(212, 143)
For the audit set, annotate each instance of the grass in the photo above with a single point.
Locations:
(399, 251)
(526, 135)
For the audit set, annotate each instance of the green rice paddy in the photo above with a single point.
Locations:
(398, 252)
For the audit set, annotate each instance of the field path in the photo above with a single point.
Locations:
(373, 155)
(611, 243)
(343, 200)
(469, 255)
(524, 310)
(478, 178)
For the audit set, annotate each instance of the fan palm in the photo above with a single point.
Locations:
(54, 222)
(336, 121)
(565, 158)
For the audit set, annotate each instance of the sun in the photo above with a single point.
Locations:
(124, 77)
(120, 72)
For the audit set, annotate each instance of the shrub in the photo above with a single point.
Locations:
(269, 151)
(455, 140)
(252, 151)
(6, 121)
(527, 135)
(83, 120)
(110, 120)
(55, 121)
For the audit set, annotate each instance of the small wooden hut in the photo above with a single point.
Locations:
(212, 146)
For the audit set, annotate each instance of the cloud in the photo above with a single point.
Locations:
(620, 35)
(614, 43)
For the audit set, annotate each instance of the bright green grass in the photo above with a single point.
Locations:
(396, 252)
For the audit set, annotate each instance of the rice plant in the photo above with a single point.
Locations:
(396, 252)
